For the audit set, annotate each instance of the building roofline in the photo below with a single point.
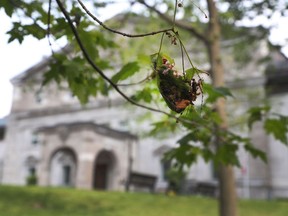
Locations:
(243, 83)
(38, 67)
(97, 128)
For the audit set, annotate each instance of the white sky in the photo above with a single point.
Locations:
(16, 58)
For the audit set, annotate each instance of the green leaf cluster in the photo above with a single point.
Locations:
(19, 31)
(278, 127)
(214, 93)
(126, 71)
(257, 114)
(82, 79)
(274, 124)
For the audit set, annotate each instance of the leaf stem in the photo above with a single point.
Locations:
(159, 51)
(48, 25)
(174, 15)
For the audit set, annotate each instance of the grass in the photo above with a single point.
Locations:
(36, 201)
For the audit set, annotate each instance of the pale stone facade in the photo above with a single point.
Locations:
(257, 179)
(50, 135)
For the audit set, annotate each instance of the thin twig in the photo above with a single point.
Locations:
(182, 57)
(136, 83)
(188, 57)
(180, 24)
(159, 52)
(101, 73)
(200, 9)
(48, 26)
(118, 32)
(174, 15)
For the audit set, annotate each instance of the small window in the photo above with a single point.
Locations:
(35, 139)
(38, 97)
(166, 166)
(32, 171)
(2, 133)
(123, 125)
(215, 170)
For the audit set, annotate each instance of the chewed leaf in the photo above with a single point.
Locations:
(190, 73)
(174, 90)
(171, 60)
(157, 59)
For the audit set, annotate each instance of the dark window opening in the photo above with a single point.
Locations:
(66, 175)
(165, 166)
(32, 171)
(35, 139)
(2, 133)
(215, 170)
(38, 97)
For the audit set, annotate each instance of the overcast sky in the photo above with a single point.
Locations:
(16, 58)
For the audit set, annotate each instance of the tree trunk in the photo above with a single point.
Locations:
(227, 198)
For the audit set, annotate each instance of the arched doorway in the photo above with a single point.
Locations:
(63, 166)
(104, 167)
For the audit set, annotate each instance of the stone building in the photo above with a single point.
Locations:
(2, 136)
(97, 146)
(257, 179)
(50, 135)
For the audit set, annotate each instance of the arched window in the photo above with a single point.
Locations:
(63, 168)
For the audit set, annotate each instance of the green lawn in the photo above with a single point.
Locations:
(35, 201)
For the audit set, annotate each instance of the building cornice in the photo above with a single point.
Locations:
(52, 111)
(68, 128)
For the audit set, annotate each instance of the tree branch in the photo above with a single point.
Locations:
(118, 32)
(101, 73)
(182, 25)
(48, 25)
